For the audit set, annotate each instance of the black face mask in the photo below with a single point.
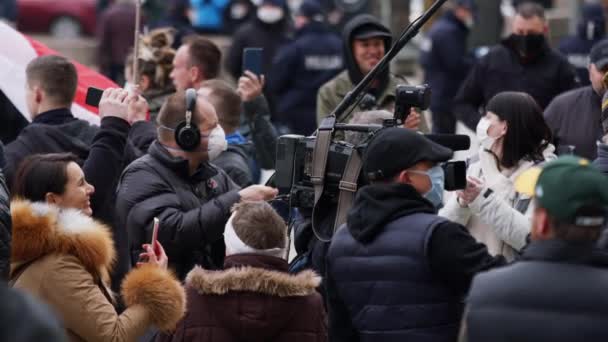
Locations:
(528, 46)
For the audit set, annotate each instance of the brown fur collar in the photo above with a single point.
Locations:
(41, 229)
(253, 279)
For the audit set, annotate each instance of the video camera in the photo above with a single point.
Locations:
(294, 163)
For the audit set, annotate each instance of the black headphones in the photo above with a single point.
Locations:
(187, 136)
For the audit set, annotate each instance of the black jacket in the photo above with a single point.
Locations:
(445, 60)
(257, 128)
(388, 250)
(235, 162)
(575, 119)
(300, 68)
(192, 209)
(501, 70)
(556, 292)
(5, 226)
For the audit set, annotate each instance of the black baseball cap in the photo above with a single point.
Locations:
(371, 30)
(599, 54)
(395, 149)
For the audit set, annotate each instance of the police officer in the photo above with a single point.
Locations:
(304, 65)
(396, 271)
(446, 62)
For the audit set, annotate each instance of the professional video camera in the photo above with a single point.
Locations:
(323, 175)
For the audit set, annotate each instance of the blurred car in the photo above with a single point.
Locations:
(60, 18)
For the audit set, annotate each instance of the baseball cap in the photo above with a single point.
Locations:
(599, 54)
(565, 187)
(395, 149)
(371, 31)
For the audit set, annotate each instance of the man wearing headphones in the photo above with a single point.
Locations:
(177, 184)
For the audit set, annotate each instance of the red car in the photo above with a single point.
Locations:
(60, 18)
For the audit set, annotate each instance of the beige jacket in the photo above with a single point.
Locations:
(63, 258)
(501, 220)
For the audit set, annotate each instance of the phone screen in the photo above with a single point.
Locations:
(93, 96)
(252, 60)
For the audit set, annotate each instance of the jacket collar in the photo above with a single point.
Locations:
(561, 251)
(253, 273)
(54, 117)
(180, 165)
(40, 229)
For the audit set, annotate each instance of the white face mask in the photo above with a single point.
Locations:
(485, 140)
(217, 142)
(270, 15)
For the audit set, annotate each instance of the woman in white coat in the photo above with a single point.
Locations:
(514, 137)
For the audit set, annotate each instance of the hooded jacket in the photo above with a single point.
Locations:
(499, 218)
(63, 257)
(397, 271)
(252, 299)
(332, 92)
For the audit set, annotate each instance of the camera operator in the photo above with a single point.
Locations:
(395, 255)
(366, 41)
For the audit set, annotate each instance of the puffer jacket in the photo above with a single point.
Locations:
(192, 209)
(252, 299)
(499, 217)
(63, 258)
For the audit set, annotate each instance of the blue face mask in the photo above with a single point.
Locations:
(437, 177)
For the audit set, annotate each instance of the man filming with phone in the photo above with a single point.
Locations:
(394, 246)
(177, 183)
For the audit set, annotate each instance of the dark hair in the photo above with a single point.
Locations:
(527, 132)
(529, 10)
(56, 76)
(40, 174)
(227, 103)
(205, 55)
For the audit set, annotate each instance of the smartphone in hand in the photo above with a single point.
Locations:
(252, 60)
(155, 233)
(93, 96)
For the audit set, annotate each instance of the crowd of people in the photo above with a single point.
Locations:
(152, 226)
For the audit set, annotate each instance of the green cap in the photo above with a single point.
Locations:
(564, 186)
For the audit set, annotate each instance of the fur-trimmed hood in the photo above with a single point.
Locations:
(41, 229)
(253, 296)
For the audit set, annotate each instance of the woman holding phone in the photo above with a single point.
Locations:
(514, 137)
(63, 256)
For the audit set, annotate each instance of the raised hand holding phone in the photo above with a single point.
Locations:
(154, 253)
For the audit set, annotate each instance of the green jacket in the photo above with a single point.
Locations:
(332, 92)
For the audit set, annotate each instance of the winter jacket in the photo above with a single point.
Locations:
(300, 69)
(499, 217)
(103, 153)
(575, 119)
(590, 30)
(12, 121)
(252, 299)
(556, 292)
(5, 228)
(501, 70)
(602, 158)
(24, 319)
(235, 162)
(257, 128)
(69, 272)
(398, 272)
(445, 60)
(192, 209)
(208, 15)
